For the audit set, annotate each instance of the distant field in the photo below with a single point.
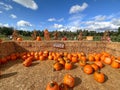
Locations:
(96, 38)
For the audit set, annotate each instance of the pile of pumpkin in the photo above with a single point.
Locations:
(91, 63)
(68, 82)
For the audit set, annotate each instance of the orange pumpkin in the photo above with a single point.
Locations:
(38, 38)
(40, 53)
(24, 57)
(3, 60)
(69, 56)
(88, 69)
(36, 57)
(95, 67)
(52, 86)
(118, 58)
(13, 57)
(83, 58)
(99, 77)
(41, 57)
(91, 58)
(65, 54)
(97, 58)
(99, 63)
(57, 66)
(27, 62)
(50, 57)
(62, 62)
(19, 39)
(68, 65)
(107, 60)
(115, 64)
(74, 59)
(82, 63)
(69, 80)
(63, 86)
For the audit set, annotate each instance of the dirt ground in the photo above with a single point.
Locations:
(17, 77)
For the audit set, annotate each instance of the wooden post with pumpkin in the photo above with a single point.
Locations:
(80, 37)
(15, 35)
(46, 35)
(55, 34)
(34, 35)
(106, 36)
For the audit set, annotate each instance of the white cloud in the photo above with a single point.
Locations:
(58, 26)
(27, 3)
(5, 6)
(74, 28)
(54, 19)
(99, 26)
(4, 25)
(51, 19)
(23, 23)
(1, 12)
(13, 16)
(78, 8)
(116, 21)
(100, 18)
(60, 20)
(75, 22)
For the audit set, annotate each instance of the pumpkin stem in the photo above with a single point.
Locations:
(62, 85)
(68, 61)
(98, 70)
(52, 84)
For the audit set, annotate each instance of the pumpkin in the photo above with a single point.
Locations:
(95, 67)
(97, 58)
(32, 53)
(99, 77)
(24, 57)
(88, 69)
(102, 58)
(3, 60)
(57, 66)
(63, 86)
(8, 57)
(69, 80)
(115, 64)
(50, 57)
(74, 59)
(27, 62)
(52, 86)
(83, 58)
(65, 54)
(82, 63)
(91, 58)
(62, 62)
(118, 58)
(45, 55)
(41, 57)
(13, 57)
(99, 63)
(68, 65)
(19, 39)
(36, 57)
(38, 38)
(107, 60)
(69, 56)
(40, 53)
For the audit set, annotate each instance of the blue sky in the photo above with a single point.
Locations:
(98, 15)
